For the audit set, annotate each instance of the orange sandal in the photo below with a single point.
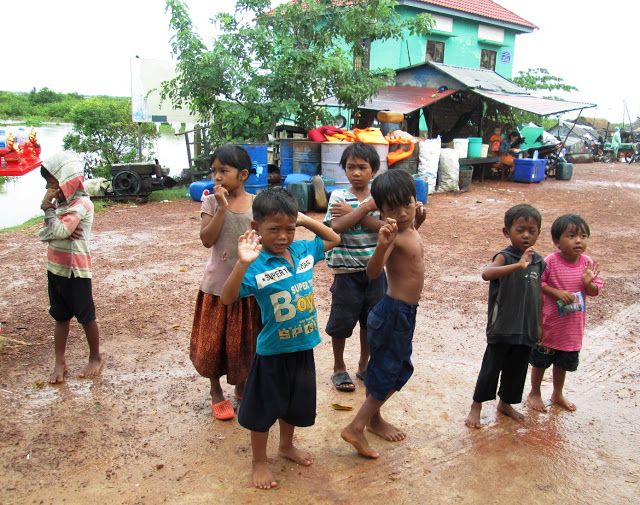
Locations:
(222, 410)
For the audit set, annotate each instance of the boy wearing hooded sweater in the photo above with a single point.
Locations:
(68, 216)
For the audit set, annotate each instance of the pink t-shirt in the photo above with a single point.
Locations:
(224, 253)
(563, 328)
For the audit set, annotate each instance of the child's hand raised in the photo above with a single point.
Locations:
(340, 209)
(221, 196)
(249, 247)
(49, 195)
(388, 232)
(421, 215)
(527, 257)
(590, 272)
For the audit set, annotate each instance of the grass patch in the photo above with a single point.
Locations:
(177, 193)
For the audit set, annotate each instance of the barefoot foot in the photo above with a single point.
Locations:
(535, 402)
(93, 368)
(59, 371)
(508, 410)
(304, 458)
(262, 476)
(473, 419)
(561, 401)
(359, 441)
(386, 430)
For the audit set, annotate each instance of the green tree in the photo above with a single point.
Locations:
(272, 64)
(539, 78)
(535, 79)
(103, 131)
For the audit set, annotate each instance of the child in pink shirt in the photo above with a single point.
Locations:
(569, 277)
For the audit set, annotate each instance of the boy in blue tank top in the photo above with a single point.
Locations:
(278, 272)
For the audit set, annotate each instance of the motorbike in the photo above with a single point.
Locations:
(633, 157)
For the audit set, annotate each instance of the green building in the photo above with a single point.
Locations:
(467, 33)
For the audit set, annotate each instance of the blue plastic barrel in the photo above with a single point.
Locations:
(421, 189)
(254, 189)
(286, 157)
(199, 188)
(258, 154)
(306, 157)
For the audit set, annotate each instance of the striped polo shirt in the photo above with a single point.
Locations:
(564, 331)
(357, 243)
(66, 256)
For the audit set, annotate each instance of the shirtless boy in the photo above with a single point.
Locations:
(391, 322)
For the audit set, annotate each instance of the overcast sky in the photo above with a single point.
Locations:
(85, 46)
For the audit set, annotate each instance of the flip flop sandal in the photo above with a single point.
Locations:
(223, 410)
(235, 402)
(361, 375)
(342, 382)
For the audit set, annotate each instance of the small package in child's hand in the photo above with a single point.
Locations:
(568, 308)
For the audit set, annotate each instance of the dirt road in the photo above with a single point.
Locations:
(142, 433)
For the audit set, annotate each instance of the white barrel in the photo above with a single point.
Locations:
(462, 146)
(382, 150)
(330, 154)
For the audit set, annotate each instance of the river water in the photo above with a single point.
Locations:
(20, 197)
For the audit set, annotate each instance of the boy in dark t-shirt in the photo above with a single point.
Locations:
(513, 314)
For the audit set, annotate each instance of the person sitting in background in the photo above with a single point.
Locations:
(508, 151)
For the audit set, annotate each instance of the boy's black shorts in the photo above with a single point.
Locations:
(279, 386)
(353, 295)
(70, 297)
(543, 357)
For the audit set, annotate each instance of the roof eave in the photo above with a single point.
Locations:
(467, 15)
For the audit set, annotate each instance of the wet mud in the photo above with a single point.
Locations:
(142, 433)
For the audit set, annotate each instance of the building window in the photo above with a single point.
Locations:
(435, 51)
(362, 60)
(488, 59)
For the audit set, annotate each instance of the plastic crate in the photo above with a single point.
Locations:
(529, 170)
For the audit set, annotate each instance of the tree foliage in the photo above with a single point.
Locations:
(104, 132)
(267, 64)
(38, 105)
(540, 79)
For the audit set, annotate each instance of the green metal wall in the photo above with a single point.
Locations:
(462, 47)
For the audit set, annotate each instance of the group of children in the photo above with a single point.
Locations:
(255, 319)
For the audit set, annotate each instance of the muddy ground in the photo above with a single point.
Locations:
(143, 433)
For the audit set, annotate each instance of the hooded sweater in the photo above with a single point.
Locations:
(514, 302)
(68, 256)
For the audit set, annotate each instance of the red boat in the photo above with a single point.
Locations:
(16, 160)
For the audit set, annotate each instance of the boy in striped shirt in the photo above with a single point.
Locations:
(68, 216)
(352, 214)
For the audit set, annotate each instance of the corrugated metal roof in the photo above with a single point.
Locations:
(541, 106)
(479, 78)
(484, 8)
(403, 99)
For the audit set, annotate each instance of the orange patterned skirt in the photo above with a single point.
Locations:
(223, 337)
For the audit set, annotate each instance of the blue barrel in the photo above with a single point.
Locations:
(199, 189)
(421, 189)
(3, 137)
(254, 189)
(306, 157)
(286, 157)
(259, 156)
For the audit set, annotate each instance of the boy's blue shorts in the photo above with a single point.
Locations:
(390, 328)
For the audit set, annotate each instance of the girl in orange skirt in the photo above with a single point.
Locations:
(223, 338)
